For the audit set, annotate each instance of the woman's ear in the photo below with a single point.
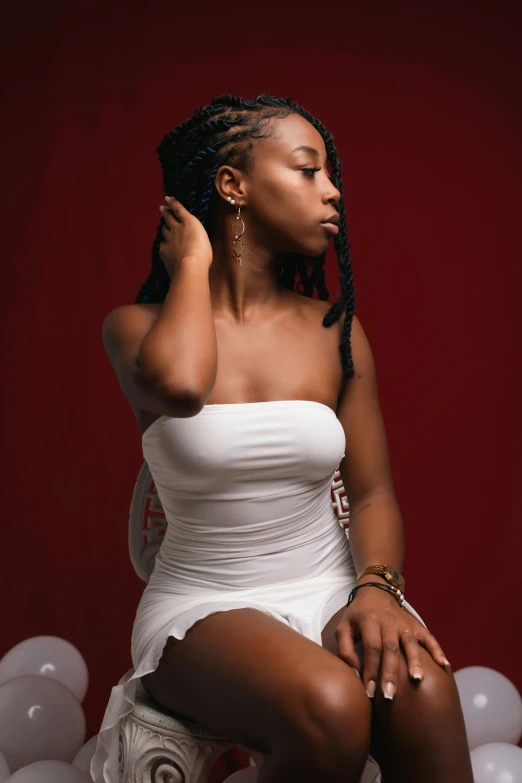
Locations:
(229, 182)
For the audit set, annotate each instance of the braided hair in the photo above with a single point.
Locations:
(220, 133)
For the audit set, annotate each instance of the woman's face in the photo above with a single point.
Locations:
(286, 200)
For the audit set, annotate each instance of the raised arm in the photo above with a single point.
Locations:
(166, 360)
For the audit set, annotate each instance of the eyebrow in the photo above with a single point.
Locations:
(311, 150)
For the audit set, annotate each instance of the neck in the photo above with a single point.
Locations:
(243, 293)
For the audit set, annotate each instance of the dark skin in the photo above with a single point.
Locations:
(272, 346)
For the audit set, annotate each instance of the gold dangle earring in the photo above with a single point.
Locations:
(237, 237)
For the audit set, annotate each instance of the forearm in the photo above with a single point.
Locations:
(376, 534)
(179, 353)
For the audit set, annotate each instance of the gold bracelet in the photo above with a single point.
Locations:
(393, 578)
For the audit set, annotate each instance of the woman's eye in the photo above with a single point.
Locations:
(309, 169)
(310, 172)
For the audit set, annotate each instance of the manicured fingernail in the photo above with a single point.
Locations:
(161, 209)
(417, 673)
(370, 690)
(389, 690)
(357, 673)
(446, 662)
(167, 199)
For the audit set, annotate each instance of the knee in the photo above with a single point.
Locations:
(334, 724)
(436, 697)
(441, 687)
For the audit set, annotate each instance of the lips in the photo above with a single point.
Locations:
(330, 224)
(332, 219)
(331, 227)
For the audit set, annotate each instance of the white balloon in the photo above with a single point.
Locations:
(257, 757)
(491, 704)
(49, 772)
(497, 762)
(82, 760)
(246, 775)
(40, 719)
(47, 656)
(4, 768)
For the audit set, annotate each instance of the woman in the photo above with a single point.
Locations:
(248, 395)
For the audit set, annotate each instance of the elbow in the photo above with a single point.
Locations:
(186, 401)
(177, 400)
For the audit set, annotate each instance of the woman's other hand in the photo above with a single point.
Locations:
(377, 619)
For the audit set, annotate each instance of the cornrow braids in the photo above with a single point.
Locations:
(220, 133)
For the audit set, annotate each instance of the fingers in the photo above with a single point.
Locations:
(382, 635)
(372, 643)
(346, 646)
(176, 207)
(172, 213)
(410, 644)
(390, 659)
(387, 655)
(169, 216)
(431, 644)
(428, 641)
(382, 653)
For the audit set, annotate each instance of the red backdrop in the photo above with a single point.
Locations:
(421, 101)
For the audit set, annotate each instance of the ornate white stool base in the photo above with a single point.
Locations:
(158, 748)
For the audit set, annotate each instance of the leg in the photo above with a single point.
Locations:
(253, 679)
(421, 734)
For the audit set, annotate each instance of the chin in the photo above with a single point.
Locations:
(321, 249)
(313, 251)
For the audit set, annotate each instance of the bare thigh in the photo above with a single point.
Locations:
(251, 678)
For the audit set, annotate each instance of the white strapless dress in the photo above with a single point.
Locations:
(245, 488)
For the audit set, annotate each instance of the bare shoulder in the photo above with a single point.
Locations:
(360, 348)
(318, 308)
(362, 357)
(311, 308)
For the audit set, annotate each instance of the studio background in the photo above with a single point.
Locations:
(421, 100)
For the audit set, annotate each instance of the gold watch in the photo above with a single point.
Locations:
(390, 574)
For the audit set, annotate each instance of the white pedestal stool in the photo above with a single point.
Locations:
(157, 746)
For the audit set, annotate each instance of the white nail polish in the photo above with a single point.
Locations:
(388, 690)
(370, 690)
(357, 673)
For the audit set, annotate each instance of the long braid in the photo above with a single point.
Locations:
(222, 132)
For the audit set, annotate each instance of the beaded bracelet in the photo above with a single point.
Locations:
(398, 593)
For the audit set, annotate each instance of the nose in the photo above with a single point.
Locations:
(332, 194)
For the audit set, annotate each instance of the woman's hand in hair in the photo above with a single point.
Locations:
(185, 237)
